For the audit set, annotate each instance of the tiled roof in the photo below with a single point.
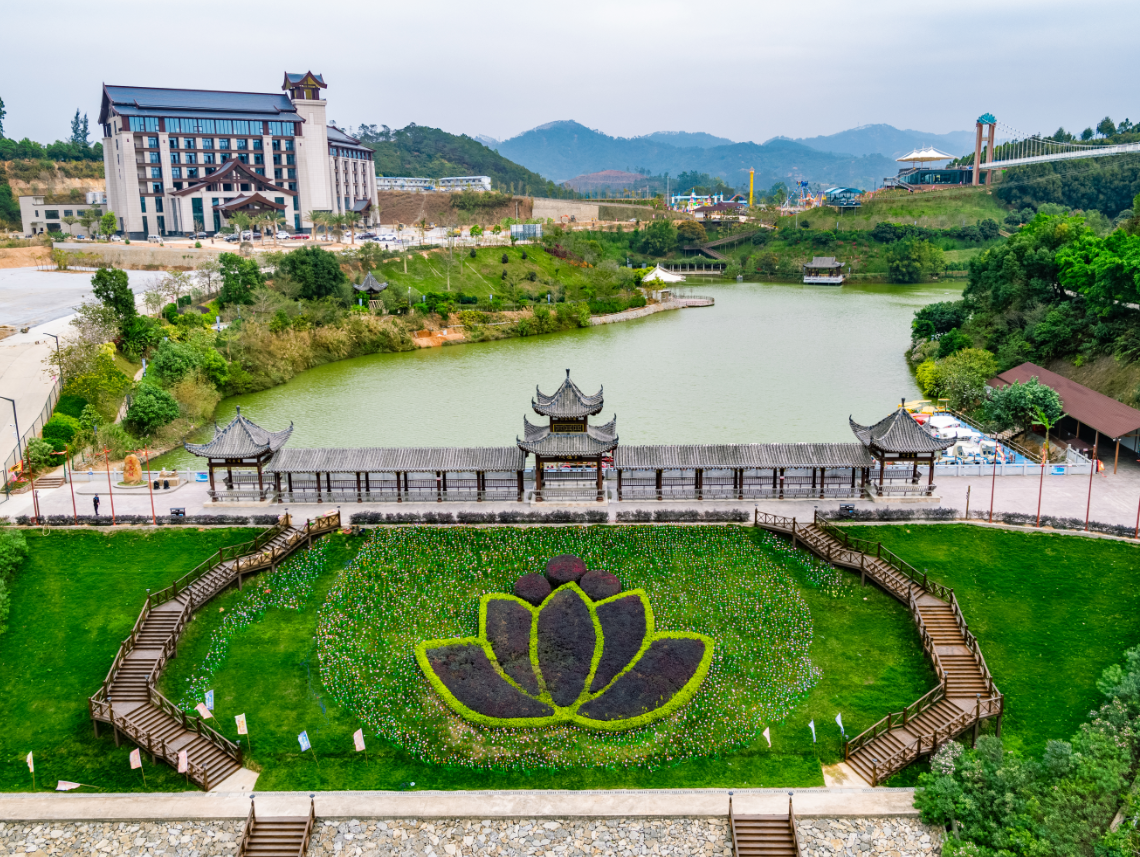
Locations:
(595, 440)
(297, 77)
(824, 262)
(264, 105)
(743, 455)
(336, 135)
(232, 171)
(567, 402)
(898, 433)
(370, 284)
(240, 439)
(391, 459)
(1096, 410)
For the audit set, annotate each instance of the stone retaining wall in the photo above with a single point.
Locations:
(467, 837)
(649, 309)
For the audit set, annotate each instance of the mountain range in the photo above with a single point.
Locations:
(566, 149)
(888, 141)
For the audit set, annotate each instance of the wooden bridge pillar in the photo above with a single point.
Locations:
(619, 485)
(658, 472)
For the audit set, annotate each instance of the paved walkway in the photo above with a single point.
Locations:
(819, 802)
(30, 297)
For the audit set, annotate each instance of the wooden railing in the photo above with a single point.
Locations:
(895, 718)
(309, 827)
(247, 831)
(792, 825)
(732, 827)
(244, 558)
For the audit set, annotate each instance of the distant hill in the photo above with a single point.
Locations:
(431, 153)
(888, 141)
(684, 139)
(562, 150)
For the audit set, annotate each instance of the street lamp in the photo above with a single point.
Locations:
(58, 361)
(16, 425)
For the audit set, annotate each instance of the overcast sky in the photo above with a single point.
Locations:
(735, 68)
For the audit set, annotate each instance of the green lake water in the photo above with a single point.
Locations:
(780, 362)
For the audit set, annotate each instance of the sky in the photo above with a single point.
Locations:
(734, 68)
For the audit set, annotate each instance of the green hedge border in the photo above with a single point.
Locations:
(568, 714)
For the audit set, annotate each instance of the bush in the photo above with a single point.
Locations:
(173, 361)
(151, 409)
(13, 551)
(60, 427)
(316, 270)
(71, 405)
(505, 259)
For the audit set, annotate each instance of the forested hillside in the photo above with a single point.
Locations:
(421, 151)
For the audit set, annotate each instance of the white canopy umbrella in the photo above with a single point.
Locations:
(927, 154)
(660, 275)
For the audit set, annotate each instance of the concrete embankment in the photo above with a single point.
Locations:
(650, 309)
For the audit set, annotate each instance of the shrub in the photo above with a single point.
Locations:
(505, 259)
(13, 551)
(316, 270)
(61, 427)
(173, 361)
(71, 405)
(151, 408)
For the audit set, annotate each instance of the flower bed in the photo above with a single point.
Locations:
(415, 584)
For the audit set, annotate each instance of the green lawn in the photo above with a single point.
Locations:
(73, 602)
(1051, 612)
(864, 644)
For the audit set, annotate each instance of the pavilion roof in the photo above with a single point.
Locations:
(898, 433)
(370, 284)
(240, 439)
(595, 440)
(391, 459)
(828, 262)
(745, 455)
(567, 402)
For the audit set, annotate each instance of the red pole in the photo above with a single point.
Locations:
(71, 484)
(1092, 471)
(1136, 533)
(993, 483)
(150, 486)
(110, 490)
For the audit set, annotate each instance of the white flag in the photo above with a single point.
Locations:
(136, 758)
(203, 711)
(767, 735)
(183, 761)
(210, 699)
(811, 726)
(303, 738)
(358, 739)
(839, 720)
(31, 764)
(65, 786)
(241, 727)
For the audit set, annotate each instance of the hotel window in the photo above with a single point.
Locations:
(52, 215)
(207, 142)
(277, 159)
(245, 186)
(257, 145)
(174, 142)
(67, 212)
(224, 126)
(156, 172)
(188, 143)
(156, 187)
(259, 159)
(174, 157)
(227, 186)
(209, 171)
(142, 202)
(259, 170)
(158, 205)
(176, 172)
(290, 160)
(189, 158)
(292, 174)
(241, 126)
(155, 158)
(223, 144)
(162, 226)
(208, 158)
(192, 173)
(288, 145)
(178, 185)
(276, 144)
(244, 158)
(292, 185)
(243, 144)
(152, 142)
(146, 229)
(277, 174)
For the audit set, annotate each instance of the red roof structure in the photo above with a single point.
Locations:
(1093, 409)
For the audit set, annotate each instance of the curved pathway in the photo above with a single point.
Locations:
(965, 695)
(128, 699)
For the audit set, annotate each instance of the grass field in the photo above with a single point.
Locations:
(73, 602)
(935, 209)
(1051, 612)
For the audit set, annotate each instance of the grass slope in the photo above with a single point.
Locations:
(1051, 612)
(73, 602)
(864, 643)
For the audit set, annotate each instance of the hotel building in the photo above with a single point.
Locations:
(180, 161)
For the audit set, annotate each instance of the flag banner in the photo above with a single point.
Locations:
(183, 761)
(241, 727)
(31, 763)
(303, 738)
(839, 720)
(811, 726)
(136, 758)
(65, 786)
(210, 699)
(767, 735)
(203, 711)
(358, 739)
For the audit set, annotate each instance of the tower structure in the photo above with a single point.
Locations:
(313, 180)
(568, 437)
(984, 120)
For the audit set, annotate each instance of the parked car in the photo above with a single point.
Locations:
(247, 236)
(232, 237)
(300, 236)
(200, 235)
(282, 235)
(364, 236)
(154, 239)
(79, 237)
(116, 237)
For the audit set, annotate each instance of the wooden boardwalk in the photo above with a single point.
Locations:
(277, 836)
(965, 694)
(128, 699)
(763, 835)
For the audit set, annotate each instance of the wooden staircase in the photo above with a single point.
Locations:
(128, 699)
(965, 695)
(280, 836)
(763, 835)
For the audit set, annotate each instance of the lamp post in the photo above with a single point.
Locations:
(16, 425)
(993, 481)
(1092, 472)
(57, 360)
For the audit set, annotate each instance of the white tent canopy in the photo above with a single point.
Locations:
(660, 275)
(927, 154)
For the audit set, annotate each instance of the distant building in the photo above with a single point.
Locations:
(843, 197)
(526, 231)
(179, 161)
(607, 180)
(38, 214)
(823, 271)
(424, 185)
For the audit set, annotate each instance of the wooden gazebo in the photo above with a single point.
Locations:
(371, 289)
(240, 446)
(896, 439)
(568, 438)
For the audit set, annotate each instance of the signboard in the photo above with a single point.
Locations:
(568, 428)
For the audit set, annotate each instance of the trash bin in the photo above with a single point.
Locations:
(847, 510)
(178, 512)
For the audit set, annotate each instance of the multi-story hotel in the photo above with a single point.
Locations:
(179, 161)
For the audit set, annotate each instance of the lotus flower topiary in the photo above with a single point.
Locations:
(568, 658)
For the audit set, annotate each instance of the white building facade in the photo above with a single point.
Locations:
(181, 161)
(39, 214)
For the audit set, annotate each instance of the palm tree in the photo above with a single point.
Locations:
(351, 219)
(336, 223)
(274, 221)
(241, 222)
(320, 218)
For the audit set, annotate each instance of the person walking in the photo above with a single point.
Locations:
(95, 502)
